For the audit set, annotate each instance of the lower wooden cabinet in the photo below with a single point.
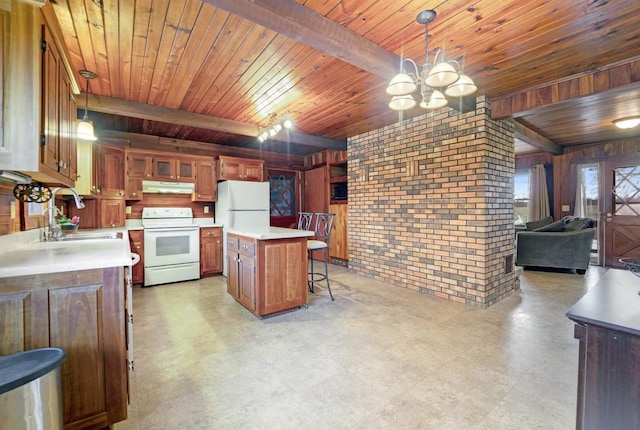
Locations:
(267, 276)
(136, 240)
(210, 250)
(83, 313)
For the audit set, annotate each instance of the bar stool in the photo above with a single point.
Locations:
(324, 222)
(304, 220)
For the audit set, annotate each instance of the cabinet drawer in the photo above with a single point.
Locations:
(247, 248)
(214, 232)
(233, 243)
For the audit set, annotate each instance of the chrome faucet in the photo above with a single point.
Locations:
(52, 230)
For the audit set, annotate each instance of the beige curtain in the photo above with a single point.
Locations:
(538, 194)
(580, 208)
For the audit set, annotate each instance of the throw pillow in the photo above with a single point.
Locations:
(579, 224)
(533, 225)
(554, 226)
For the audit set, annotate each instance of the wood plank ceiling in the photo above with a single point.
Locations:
(190, 56)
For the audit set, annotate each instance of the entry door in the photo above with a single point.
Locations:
(622, 210)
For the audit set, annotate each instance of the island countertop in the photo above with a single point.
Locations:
(269, 233)
(30, 256)
(614, 303)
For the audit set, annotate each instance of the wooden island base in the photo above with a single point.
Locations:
(267, 272)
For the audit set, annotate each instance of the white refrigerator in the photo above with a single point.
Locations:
(241, 204)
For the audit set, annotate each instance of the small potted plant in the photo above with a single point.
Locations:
(68, 224)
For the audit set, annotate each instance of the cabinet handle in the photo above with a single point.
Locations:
(245, 247)
(230, 242)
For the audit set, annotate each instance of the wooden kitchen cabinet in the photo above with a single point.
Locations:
(206, 186)
(112, 212)
(242, 169)
(136, 240)
(110, 167)
(59, 111)
(82, 312)
(267, 276)
(170, 168)
(210, 250)
(139, 166)
(241, 275)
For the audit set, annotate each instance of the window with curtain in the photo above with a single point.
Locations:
(521, 196)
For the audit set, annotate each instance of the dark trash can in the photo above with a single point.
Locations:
(30, 393)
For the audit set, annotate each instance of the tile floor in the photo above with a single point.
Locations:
(379, 357)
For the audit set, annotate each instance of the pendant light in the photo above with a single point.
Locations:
(85, 127)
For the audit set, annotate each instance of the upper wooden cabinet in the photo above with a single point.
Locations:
(170, 168)
(110, 167)
(241, 169)
(206, 189)
(38, 101)
(139, 166)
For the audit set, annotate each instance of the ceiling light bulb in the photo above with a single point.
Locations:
(287, 123)
(277, 128)
(626, 123)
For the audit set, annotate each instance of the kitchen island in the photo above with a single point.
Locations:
(267, 268)
(608, 327)
(73, 295)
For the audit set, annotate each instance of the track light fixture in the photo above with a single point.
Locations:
(434, 83)
(275, 126)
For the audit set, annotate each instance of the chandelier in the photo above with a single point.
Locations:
(436, 84)
(275, 126)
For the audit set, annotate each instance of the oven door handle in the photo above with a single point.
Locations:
(171, 229)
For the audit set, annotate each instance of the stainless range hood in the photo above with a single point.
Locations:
(163, 187)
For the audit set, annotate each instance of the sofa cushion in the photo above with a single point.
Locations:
(554, 226)
(532, 225)
(578, 224)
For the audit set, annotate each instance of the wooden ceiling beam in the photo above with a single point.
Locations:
(536, 140)
(302, 24)
(613, 76)
(121, 107)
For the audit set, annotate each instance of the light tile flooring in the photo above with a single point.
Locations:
(379, 357)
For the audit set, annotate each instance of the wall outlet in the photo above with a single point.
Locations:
(127, 210)
(206, 209)
(565, 208)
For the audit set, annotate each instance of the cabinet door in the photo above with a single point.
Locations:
(338, 245)
(185, 170)
(25, 324)
(110, 171)
(210, 250)
(139, 166)
(66, 141)
(206, 187)
(247, 282)
(133, 189)
(136, 239)
(164, 168)
(233, 274)
(229, 169)
(50, 102)
(253, 171)
(112, 212)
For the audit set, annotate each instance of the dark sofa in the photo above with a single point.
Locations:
(563, 244)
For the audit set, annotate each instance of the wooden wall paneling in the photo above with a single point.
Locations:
(168, 200)
(9, 206)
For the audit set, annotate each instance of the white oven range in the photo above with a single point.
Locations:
(171, 245)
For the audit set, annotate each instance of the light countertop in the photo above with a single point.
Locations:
(27, 255)
(268, 233)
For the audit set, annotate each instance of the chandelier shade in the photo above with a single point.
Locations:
(435, 83)
(400, 85)
(84, 130)
(403, 102)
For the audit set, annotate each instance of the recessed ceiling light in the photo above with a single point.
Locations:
(629, 122)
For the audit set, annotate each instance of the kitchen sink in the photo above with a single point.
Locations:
(91, 236)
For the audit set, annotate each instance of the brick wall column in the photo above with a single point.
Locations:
(431, 205)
